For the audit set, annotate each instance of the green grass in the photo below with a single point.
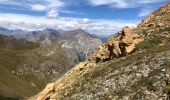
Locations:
(13, 86)
(167, 89)
(10, 84)
(150, 42)
(12, 43)
(12, 55)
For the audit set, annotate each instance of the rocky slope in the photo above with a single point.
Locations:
(127, 67)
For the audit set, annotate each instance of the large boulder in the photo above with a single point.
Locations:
(101, 54)
(121, 44)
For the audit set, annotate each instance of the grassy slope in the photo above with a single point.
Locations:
(12, 43)
(14, 54)
(11, 84)
(11, 56)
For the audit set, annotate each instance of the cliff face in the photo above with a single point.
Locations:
(133, 65)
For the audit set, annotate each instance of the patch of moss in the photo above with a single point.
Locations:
(167, 88)
(150, 42)
(166, 63)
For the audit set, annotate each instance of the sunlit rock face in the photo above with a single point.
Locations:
(121, 44)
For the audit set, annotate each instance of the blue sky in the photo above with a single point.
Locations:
(102, 17)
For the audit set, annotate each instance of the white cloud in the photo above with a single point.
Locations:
(38, 7)
(85, 20)
(10, 2)
(99, 27)
(71, 12)
(52, 14)
(124, 3)
(54, 3)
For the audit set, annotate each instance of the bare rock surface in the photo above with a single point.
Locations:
(120, 45)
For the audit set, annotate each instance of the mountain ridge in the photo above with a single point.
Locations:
(77, 43)
(69, 40)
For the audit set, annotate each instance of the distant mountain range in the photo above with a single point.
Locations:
(77, 43)
(31, 58)
(13, 43)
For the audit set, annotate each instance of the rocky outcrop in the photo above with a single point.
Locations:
(157, 23)
(48, 91)
(120, 45)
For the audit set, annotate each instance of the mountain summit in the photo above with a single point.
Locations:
(77, 43)
(133, 65)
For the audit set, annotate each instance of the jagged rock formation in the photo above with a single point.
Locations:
(120, 45)
(142, 75)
